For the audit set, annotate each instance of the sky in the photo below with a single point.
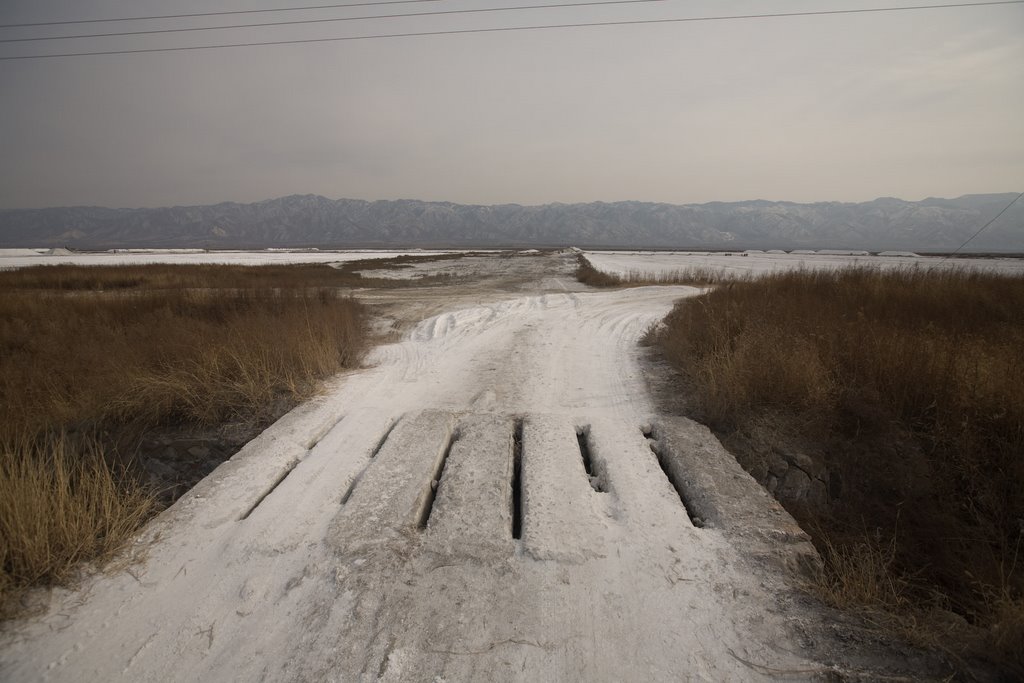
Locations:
(816, 108)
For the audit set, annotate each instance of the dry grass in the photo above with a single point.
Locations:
(110, 352)
(589, 275)
(909, 387)
(861, 573)
(697, 276)
(161, 354)
(160, 277)
(60, 504)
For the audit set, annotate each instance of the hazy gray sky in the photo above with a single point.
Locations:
(906, 104)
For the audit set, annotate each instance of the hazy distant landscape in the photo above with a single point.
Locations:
(314, 221)
(439, 340)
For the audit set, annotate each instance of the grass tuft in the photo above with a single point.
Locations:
(61, 504)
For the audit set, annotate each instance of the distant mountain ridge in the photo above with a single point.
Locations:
(315, 221)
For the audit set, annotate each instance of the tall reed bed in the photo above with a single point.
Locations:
(694, 275)
(908, 386)
(90, 354)
(171, 355)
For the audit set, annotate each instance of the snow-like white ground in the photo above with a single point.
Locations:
(666, 264)
(372, 534)
(21, 258)
(464, 267)
(18, 253)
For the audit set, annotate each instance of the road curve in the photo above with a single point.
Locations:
(493, 498)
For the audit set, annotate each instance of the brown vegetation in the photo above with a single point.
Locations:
(190, 276)
(165, 348)
(589, 275)
(907, 388)
(61, 503)
(99, 352)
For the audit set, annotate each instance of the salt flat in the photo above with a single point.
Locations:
(667, 264)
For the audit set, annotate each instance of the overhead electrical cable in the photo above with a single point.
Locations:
(508, 29)
(984, 227)
(217, 14)
(333, 20)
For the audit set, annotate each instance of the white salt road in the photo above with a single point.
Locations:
(494, 499)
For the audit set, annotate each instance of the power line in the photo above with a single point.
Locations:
(331, 20)
(217, 14)
(506, 29)
(984, 227)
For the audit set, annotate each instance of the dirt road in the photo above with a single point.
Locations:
(494, 498)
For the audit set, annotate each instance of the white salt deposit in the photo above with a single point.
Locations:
(665, 264)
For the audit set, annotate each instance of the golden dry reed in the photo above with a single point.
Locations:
(589, 275)
(908, 386)
(61, 504)
(158, 352)
(95, 351)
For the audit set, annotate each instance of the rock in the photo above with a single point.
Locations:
(814, 468)
(756, 467)
(161, 471)
(777, 465)
(199, 451)
(817, 494)
(794, 485)
(772, 483)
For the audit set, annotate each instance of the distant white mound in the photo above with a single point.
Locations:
(530, 251)
(803, 251)
(842, 252)
(754, 251)
(57, 251)
(909, 254)
(18, 252)
(776, 251)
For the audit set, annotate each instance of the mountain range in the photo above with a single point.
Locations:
(314, 221)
